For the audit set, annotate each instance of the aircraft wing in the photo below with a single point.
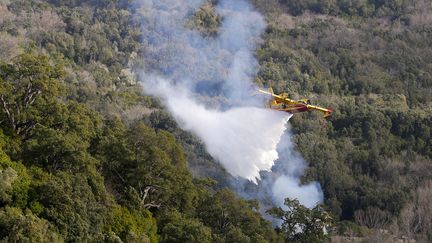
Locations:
(327, 111)
(270, 93)
(275, 96)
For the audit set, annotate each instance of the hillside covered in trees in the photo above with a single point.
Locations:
(85, 156)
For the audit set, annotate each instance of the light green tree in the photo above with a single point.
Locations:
(301, 224)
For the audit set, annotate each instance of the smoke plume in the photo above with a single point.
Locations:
(184, 67)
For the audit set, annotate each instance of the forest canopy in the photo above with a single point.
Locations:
(85, 156)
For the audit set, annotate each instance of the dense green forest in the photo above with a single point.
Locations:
(84, 156)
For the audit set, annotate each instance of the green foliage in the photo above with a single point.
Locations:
(7, 177)
(148, 167)
(29, 89)
(15, 182)
(178, 228)
(77, 204)
(300, 224)
(233, 219)
(138, 225)
(206, 20)
(65, 145)
(16, 226)
(71, 170)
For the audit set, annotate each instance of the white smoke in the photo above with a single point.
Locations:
(290, 187)
(183, 65)
(288, 169)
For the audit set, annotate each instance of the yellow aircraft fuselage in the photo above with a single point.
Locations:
(283, 103)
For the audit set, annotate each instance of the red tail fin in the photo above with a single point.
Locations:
(328, 113)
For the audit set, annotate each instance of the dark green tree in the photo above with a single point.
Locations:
(233, 219)
(29, 89)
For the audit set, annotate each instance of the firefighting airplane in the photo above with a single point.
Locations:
(283, 103)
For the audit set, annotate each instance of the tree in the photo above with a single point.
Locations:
(14, 181)
(77, 204)
(130, 226)
(146, 167)
(29, 88)
(300, 224)
(415, 220)
(66, 144)
(178, 228)
(16, 226)
(233, 219)
(372, 217)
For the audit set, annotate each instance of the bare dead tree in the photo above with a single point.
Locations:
(415, 219)
(144, 192)
(373, 218)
